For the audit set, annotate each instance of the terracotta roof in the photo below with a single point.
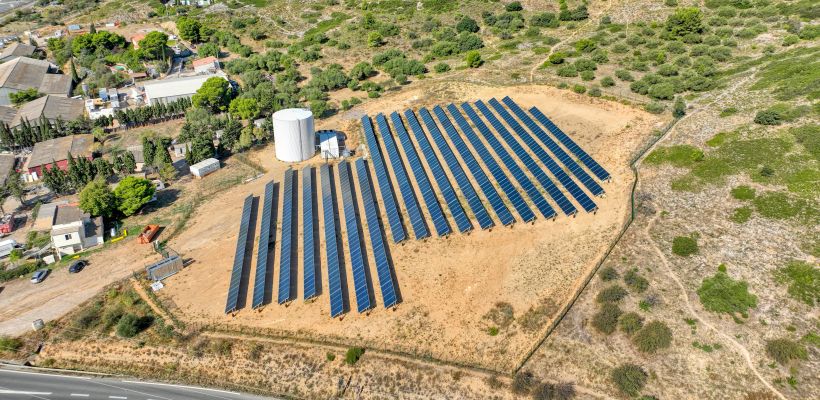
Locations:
(58, 149)
(204, 61)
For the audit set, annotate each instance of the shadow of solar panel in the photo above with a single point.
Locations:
(504, 182)
(427, 193)
(389, 298)
(388, 199)
(329, 217)
(239, 257)
(354, 243)
(308, 243)
(562, 155)
(286, 255)
(407, 194)
(574, 190)
(262, 253)
(585, 158)
(535, 195)
(450, 197)
(517, 200)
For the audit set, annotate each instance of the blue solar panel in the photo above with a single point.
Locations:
(574, 190)
(354, 242)
(495, 200)
(308, 244)
(239, 257)
(262, 253)
(419, 228)
(562, 155)
(528, 161)
(427, 193)
(337, 305)
(596, 168)
(376, 243)
(515, 197)
(286, 252)
(390, 207)
(450, 196)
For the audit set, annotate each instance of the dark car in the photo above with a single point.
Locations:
(77, 266)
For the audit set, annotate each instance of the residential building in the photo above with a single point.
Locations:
(50, 107)
(73, 231)
(206, 65)
(56, 151)
(168, 90)
(23, 73)
(135, 40)
(15, 50)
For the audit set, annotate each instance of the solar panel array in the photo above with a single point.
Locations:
(376, 243)
(593, 165)
(337, 305)
(409, 198)
(285, 259)
(520, 155)
(239, 257)
(308, 244)
(262, 253)
(388, 199)
(354, 242)
(450, 197)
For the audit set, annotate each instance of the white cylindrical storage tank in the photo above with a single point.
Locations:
(293, 134)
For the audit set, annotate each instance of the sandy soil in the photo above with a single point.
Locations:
(449, 284)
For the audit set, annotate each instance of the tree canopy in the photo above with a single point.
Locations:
(97, 199)
(215, 95)
(132, 193)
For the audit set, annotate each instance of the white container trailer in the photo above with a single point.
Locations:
(294, 134)
(204, 167)
(6, 247)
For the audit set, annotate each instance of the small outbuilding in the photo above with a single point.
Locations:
(204, 167)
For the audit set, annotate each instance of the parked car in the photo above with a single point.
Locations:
(39, 275)
(77, 266)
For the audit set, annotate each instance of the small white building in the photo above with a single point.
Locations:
(168, 90)
(206, 65)
(73, 231)
(328, 144)
(180, 149)
(204, 167)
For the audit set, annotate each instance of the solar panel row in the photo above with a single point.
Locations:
(462, 221)
(354, 243)
(262, 253)
(308, 244)
(390, 207)
(427, 193)
(239, 257)
(416, 220)
(286, 252)
(376, 242)
(333, 272)
(576, 192)
(596, 168)
(562, 155)
(501, 210)
(536, 197)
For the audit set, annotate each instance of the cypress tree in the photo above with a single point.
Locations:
(148, 150)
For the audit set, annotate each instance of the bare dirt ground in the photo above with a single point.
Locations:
(447, 285)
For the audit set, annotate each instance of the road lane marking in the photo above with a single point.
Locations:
(79, 395)
(117, 397)
(53, 376)
(22, 392)
(182, 387)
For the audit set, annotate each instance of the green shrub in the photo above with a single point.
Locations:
(653, 337)
(10, 344)
(606, 319)
(655, 107)
(587, 75)
(684, 246)
(630, 323)
(353, 355)
(743, 192)
(330, 356)
(557, 57)
(595, 91)
(607, 81)
(720, 293)
(635, 281)
(741, 215)
(567, 71)
(784, 350)
(580, 89)
(612, 294)
(608, 274)
(629, 379)
(130, 325)
(441, 67)
(768, 117)
(624, 75)
(803, 280)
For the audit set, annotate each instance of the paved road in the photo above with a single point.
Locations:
(29, 385)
